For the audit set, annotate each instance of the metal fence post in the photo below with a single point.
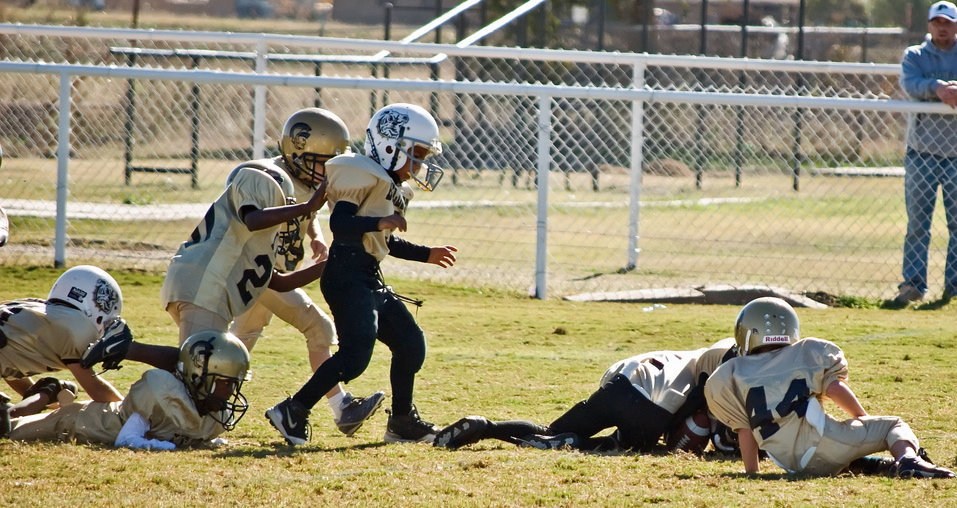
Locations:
(259, 104)
(63, 170)
(637, 161)
(544, 163)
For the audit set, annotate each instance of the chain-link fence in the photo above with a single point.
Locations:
(662, 171)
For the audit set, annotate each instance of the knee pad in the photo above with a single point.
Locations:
(409, 354)
(353, 364)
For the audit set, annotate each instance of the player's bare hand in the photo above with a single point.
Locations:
(394, 221)
(320, 251)
(317, 199)
(443, 256)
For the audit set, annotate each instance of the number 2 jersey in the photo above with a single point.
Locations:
(37, 337)
(777, 394)
(223, 266)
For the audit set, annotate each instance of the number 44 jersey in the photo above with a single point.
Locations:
(777, 394)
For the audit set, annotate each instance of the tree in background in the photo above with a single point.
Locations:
(911, 14)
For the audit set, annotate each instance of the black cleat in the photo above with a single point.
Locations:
(466, 431)
(291, 419)
(4, 414)
(409, 428)
(556, 442)
(357, 411)
(921, 467)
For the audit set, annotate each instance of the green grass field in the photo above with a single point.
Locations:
(502, 356)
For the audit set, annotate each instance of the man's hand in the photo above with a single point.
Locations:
(443, 256)
(947, 93)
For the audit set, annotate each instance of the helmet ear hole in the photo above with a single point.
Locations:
(765, 322)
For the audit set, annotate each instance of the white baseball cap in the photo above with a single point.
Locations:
(945, 10)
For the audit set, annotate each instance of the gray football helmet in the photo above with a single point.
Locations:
(765, 322)
(309, 138)
(213, 365)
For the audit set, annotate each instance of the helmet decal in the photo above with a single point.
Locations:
(104, 296)
(392, 123)
(199, 353)
(77, 294)
(299, 133)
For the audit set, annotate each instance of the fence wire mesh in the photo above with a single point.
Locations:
(805, 199)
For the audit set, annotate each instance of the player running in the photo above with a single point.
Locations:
(368, 196)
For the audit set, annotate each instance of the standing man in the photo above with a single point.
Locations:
(929, 73)
(368, 196)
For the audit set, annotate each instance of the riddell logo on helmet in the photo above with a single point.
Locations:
(774, 339)
(77, 294)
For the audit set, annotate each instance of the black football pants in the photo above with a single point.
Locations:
(363, 311)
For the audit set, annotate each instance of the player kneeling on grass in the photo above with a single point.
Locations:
(770, 395)
(42, 336)
(163, 410)
(644, 397)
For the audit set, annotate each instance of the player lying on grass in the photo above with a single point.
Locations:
(43, 336)
(643, 397)
(770, 395)
(163, 410)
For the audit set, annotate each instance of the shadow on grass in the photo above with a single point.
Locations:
(285, 450)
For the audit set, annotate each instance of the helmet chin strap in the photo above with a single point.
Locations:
(398, 149)
(373, 153)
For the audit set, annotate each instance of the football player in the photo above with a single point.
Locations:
(42, 336)
(310, 137)
(163, 410)
(368, 195)
(642, 397)
(770, 395)
(229, 260)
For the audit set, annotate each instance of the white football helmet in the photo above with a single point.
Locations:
(765, 322)
(91, 290)
(213, 365)
(392, 134)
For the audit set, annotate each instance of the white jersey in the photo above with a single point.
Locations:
(777, 395)
(159, 397)
(224, 266)
(666, 377)
(39, 337)
(361, 181)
